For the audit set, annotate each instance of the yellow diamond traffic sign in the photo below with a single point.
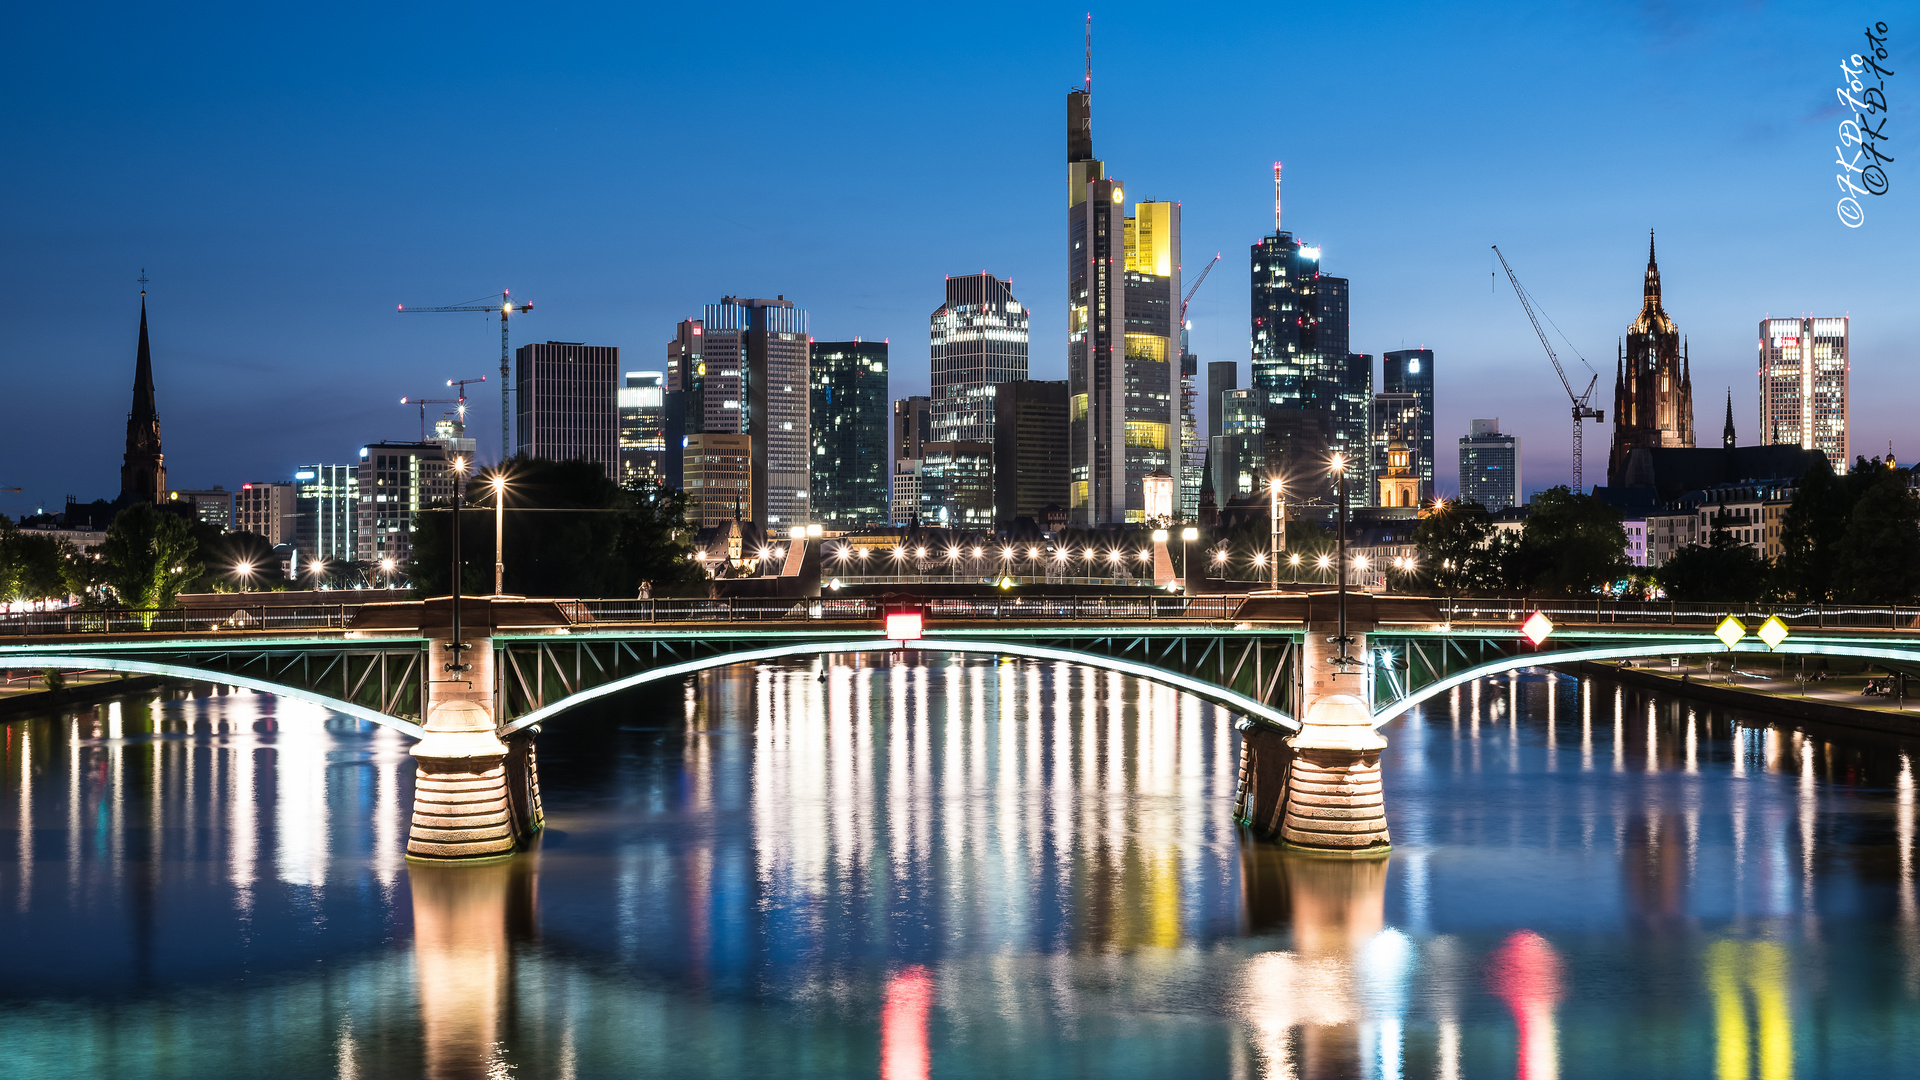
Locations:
(1773, 631)
(1730, 631)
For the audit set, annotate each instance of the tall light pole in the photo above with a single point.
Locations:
(459, 493)
(1278, 539)
(499, 533)
(1344, 660)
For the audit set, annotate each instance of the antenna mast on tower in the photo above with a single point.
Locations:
(1089, 85)
(1276, 197)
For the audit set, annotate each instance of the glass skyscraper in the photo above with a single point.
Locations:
(850, 416)
(1490, 466)
(643, 442)
(1301, 362)
(1410, 371)
(979, 339)
(327, 500)
(755, 352)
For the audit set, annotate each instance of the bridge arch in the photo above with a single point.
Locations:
(1637, 651)
(1219, 695)
(135, 666)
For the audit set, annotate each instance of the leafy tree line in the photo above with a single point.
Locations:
(1853, 538)
(569, 532)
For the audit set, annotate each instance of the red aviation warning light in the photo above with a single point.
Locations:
(903, 626)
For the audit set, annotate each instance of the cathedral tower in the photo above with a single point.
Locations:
(143, 476)
(1652, 382)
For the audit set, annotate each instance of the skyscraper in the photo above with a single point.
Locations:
(1222, 375)
(1803, 385)
(1652, 382)
(756, 384)
(1410, 371)
(1123, 306)
(643, 431)
(849, 415)
(1490, 466)
(1029, 449)
(269, 510)
(567, 407)
(1301, 363)
(143, 470)
(912, 427)
(979, 339)
(956, 485)
(717, 471)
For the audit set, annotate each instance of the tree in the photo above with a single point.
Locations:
(1452, 540)
(1721, 569)
(1572, 545)
(239, 562)
(1810, 530)
(148, 556)
(610, 542)
(1877, 559)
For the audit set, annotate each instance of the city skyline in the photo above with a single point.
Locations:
(263, 363)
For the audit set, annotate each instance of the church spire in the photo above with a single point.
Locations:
(143, 474)
(1726, 436)
(1651, 294)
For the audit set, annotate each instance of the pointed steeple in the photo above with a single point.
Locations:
(143, 472)
(1726, 436)
(1651, 293)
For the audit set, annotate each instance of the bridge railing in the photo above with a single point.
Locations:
(830, 609)
(1680, 613)
(196, 620)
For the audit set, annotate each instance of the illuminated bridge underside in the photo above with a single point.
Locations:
(1251, 672)
(1410, 668)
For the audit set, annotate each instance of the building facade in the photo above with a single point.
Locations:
(327, 502)
(717, 475)
(1410, 371)
(642, 401)
(567, 406)
(211, 507)
(979, 340)
(1652, 381)
(756, 355)
(1399, 482)
(1395, 418)
(1490, 466)
(1123, 309)
(850, 419)
(269, 510)
(1804, 365)
(956, 486)
(1301, 363)
(1030, 456)
(397, 481)
(906, 491)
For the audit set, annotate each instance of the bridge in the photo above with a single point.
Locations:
(1310, 718)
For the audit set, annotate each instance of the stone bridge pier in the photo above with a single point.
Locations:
(476, 796)
(1319, 788)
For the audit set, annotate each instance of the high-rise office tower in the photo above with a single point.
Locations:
(1123, 307)
(687, 372)
(643, 428)
(567, 407)
(717, 471)
(1395, 419)
(956, 485)
(849, 413)
(143, 470)
(979, 339)
(397, 481)
(1410, 371)
(756, 384)
(1222, 375)
(1803, 385)
(1490, 466)
(1029, 449)
(1193, 444)
(1239, 451)
(1301, 362)
(1652, 381)
(327, 501)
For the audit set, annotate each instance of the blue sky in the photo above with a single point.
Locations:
(286, 176)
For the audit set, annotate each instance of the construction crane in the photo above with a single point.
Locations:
(505, 307)
(1581, 410)
(1188, 299)
(423, 402)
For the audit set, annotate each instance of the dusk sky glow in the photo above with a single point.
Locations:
(287, 176)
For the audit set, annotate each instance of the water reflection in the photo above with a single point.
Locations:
(928, 867)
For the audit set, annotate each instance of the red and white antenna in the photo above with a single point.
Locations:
(1276, 197)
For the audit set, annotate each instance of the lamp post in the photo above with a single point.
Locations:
(499, 533)
(1344, 660)
(1278, 539)
(459, 495)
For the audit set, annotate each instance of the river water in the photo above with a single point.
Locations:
(958, 867)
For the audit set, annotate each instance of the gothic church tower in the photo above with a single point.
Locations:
(1652, 382)
(143, 476)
